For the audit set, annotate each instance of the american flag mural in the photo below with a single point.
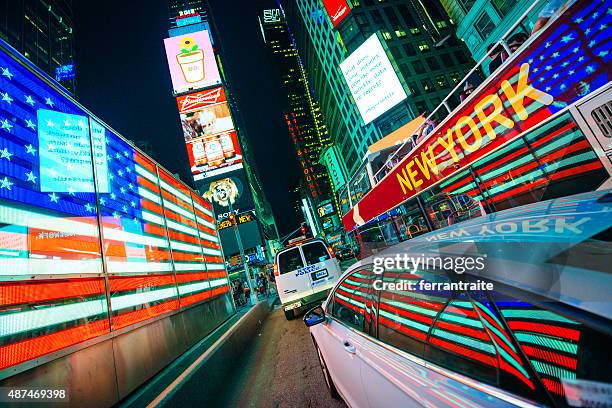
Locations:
(64, 232)
(563, 64)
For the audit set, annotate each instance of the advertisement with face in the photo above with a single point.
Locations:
(212, 143)
(228, 193)
(192, 61)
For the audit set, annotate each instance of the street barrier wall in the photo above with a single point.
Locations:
(110, 267)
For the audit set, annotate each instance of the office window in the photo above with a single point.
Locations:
(404, 69)
(427, 85)
(414, 89)
(504, 6)
(423, 46)
(386, 35)
(418, 67)
(466, 4)
(461, 57)
(441, 24)
(415, 30)
(485, 26)
(409, 49)
(396, 53)
(399, 32)
(455, 77)
(433, 64)
(441, 81)
(378, 19)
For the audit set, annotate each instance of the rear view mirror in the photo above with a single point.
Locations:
(314, 316)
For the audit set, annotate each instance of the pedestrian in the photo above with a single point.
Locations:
(515, 41)
(240, 291)
(497, 55)
(468, 88)
(247, 292)
(550, 9)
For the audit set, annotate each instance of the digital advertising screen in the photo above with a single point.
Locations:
(192, 62)
(372, 80)
(229, 192)
(337, 10)
(212, 143)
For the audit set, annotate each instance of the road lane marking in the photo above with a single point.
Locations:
(174, 384)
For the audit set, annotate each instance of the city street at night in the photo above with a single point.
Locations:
(306, 203)
(280, 369)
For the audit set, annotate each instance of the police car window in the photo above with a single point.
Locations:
(290, 261)
(350, 299)
(315, 252)
(406, 313)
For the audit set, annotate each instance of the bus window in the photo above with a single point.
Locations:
(440, 209)
(411, 223)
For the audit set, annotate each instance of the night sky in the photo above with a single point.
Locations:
(123, 78)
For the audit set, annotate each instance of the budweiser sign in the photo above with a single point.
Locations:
(200, 99)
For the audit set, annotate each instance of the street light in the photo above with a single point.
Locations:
(232, 219)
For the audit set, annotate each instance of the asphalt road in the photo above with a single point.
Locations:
(280, 370)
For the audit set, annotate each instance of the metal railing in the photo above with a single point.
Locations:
(445, 104)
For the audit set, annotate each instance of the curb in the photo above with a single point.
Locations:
(200, 381)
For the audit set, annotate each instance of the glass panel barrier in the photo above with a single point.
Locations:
(139, 267)
(52, 292)
(211, 248)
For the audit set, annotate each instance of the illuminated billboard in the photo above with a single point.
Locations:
(373, 82)
(191, 61)
(228, 193)
(212, 144)
(337, 10)
(330, 159)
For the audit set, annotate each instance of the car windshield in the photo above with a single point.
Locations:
(290, 260)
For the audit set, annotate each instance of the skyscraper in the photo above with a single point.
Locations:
(419, 40)
(301, 112)
(42, 31)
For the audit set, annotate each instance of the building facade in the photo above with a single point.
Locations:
(322, 51)
(422, 47)
(301, 112)
(220, 156)
(42, 31)
(483, 22)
